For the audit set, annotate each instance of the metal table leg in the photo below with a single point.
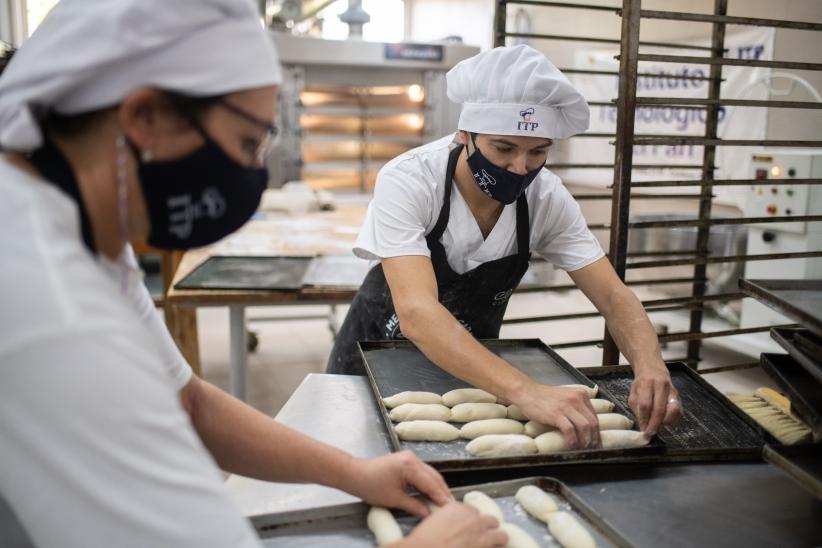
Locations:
(237, 350)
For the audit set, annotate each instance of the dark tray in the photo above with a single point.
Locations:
(345, 525)
(802, 388)
(396, 366)
(799, 300)
(712, 427)
(802, 462)
(248, 273)
(800, 344)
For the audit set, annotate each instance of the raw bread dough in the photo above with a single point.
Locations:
(467, 395)
(501, 445)
(517, 537)
(592, 391)
(534, 428)
(550, 442)
(475, 429)
(411, 397)
(536, 502)
(484, 504)
(569, 532)
(622, 439)
(614, 421)
(602, 406)
(420, 411)
(385, 528)
(426, 431)
(467, 412)
(514, 412)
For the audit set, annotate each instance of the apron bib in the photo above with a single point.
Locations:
(477, 299)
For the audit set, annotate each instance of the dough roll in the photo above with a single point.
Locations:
(592, 391)
(602, 406)
(501, 445)
(569, 532)
(622, 439)
(517, 537)
(467, 412)
(411, 397)
(385, 528)
(534, 428)
(420, 411)
(514, 412)
(467, 395)
(614, 421)
(536, 502)
(423, 430)
(484, 504)
(475, 429)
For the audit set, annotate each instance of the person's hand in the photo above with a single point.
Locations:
(654, 400)
(456, 525)
(565, 408)
(385, 481)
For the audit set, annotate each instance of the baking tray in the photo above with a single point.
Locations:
(799, 300)
(345, 525)
(801, 346)
(248, 273)
(712, 427)
(396, 366)
(802, 462)
(336, 272)
(802, 388)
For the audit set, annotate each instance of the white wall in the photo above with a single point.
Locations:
(430, 20)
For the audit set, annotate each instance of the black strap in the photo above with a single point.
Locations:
(445, 212)
(54, 167)
(523, 227)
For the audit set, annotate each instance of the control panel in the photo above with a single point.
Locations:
(779, 198)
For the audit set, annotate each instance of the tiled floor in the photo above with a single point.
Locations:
(290, 349)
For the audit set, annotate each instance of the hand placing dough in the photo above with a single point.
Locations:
(484, 504)
(602, 406)
(456, 525)
(517, 537)
(467, 412)
(420, 411)
(479, 428)
(614, 421)
(569, 532)
(592, 391)
(467, 395)
(501, 445)
(411, 397)
(516, 413)
(536, 502)
(426, 431)
(567, 409)
(385, 528)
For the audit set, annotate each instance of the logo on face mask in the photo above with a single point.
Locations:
(526, 123)
(183, 213)
(484, 180)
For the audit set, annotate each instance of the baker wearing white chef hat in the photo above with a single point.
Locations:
(143, 119)
(453, 224)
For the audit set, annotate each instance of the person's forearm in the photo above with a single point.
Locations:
(444, 341)
(246, 442)
(633, 332)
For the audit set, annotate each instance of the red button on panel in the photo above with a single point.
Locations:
(771, 209)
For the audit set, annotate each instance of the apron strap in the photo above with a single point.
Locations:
(523, 227)
(445, 212)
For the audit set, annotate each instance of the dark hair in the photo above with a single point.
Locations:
(71, 125)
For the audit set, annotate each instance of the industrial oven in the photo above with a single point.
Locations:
(348, 106)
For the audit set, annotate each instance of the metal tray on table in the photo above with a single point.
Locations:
(247, 273)
(712, 427)
(802, 388)
(799, 300)
(396, 366)
(345, 525)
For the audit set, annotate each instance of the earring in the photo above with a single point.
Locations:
(146, 156)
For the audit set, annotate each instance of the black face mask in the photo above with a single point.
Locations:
(498, 183)
(198, 199)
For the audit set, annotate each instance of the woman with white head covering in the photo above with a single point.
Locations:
(142, 119)
(453, 225)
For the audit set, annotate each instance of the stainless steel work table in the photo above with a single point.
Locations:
(729, 504)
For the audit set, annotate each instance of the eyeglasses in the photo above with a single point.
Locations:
(258, 150)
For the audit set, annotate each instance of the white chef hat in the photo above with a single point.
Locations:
(516, 91)
(89, 54)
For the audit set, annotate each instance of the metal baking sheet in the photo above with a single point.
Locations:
(336, 271)
(711, 426)
(799, 300)
(248, 273)
(802, 462)
(396, 366)
(798, 342)
(804, 391)
(345, 525)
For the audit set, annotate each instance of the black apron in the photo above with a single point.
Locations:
(477, 298)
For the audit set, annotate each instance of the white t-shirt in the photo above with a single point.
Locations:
(96, 447)
(407, 202)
